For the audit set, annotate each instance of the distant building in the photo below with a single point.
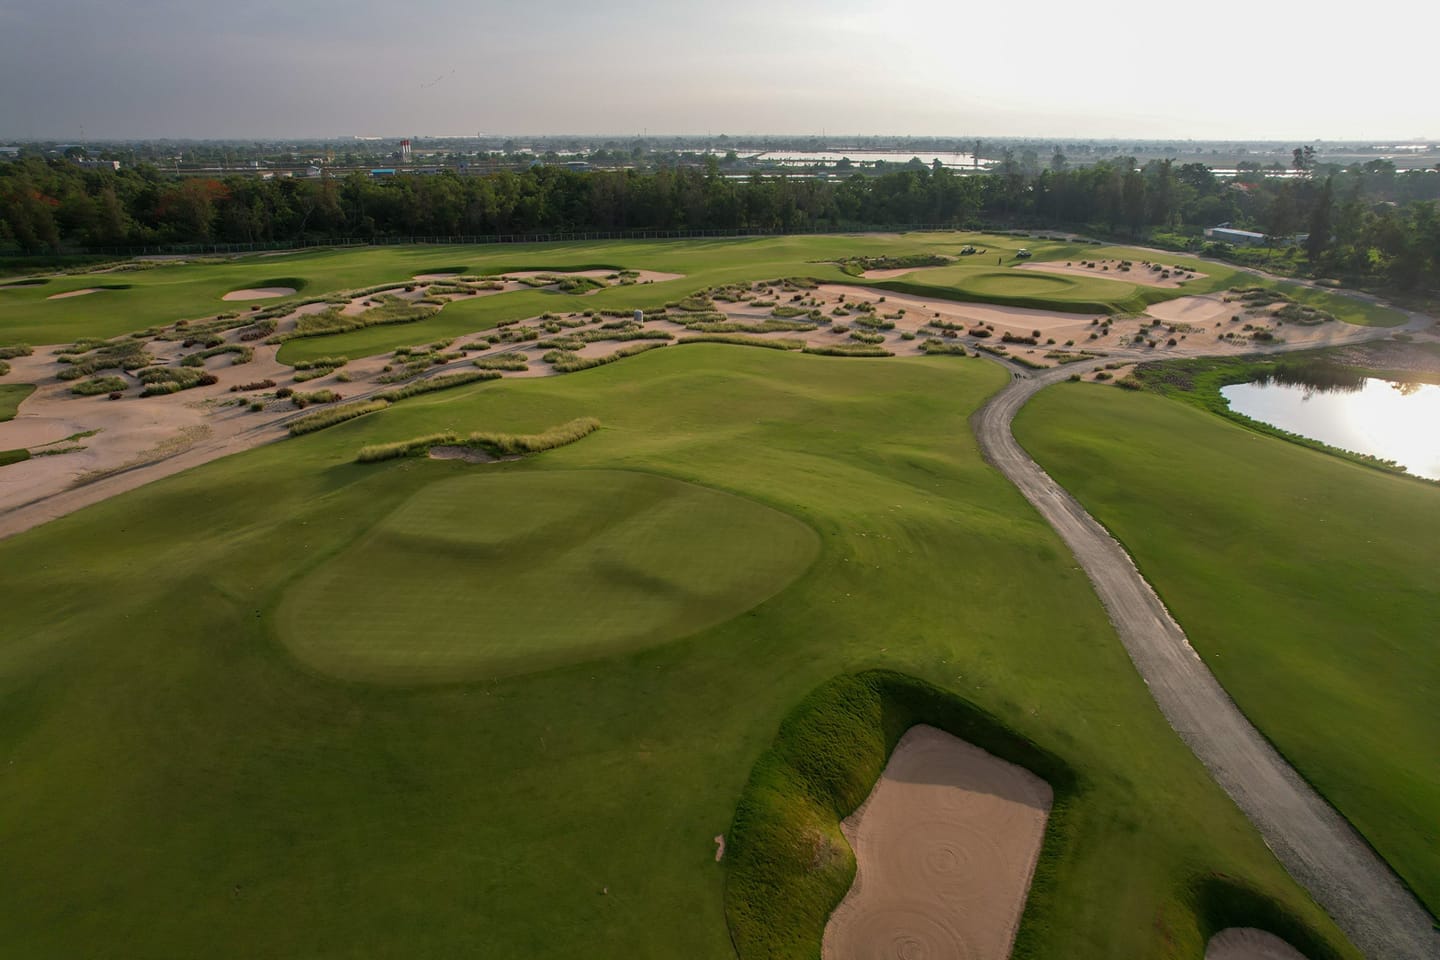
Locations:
(1236, 238)
(97, 164)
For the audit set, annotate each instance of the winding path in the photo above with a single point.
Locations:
(1314, 843)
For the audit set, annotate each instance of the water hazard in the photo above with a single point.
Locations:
(1397, 421)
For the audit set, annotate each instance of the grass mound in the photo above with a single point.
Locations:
(788, 864)
(564, 565)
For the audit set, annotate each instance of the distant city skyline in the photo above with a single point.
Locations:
(74, 69)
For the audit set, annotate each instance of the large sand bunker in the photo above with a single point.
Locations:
(1111, 270)
(1195, 310)
(258, 293)
(945, 846)
(1246, 943)
(73, 293)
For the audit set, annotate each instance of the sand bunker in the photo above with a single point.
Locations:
(258, 293)
(468, 454)
(73, 293)
(427, 277)
(1138, 272)
(1246, 943)
(1201, 311)
(945, 847)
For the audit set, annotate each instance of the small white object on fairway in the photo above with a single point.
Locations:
(259, 293)
(945, 847)
(1247, 943)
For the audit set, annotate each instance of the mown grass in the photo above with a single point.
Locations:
(199, 773)
(1307, 584)
(11, 396)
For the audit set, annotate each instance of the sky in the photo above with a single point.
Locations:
(98, 69)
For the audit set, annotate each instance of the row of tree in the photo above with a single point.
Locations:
(1370, 223)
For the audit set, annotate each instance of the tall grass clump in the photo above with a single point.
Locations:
(565, 362)
(16, 350)
(330, 416)
(850, 350)
(443, 382)
(91, 388)
(512, 362)
(743, 341)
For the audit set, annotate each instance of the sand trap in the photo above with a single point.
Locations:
(1201, 311)
(945, 847)
(259, 293)
(1138, 272)
(427, 277)
(73, 293)
(468, 454)
(1247, 943)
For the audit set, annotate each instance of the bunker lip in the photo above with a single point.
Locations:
(259, 293)
(73, 293)
(945, 848)
(1248, 943)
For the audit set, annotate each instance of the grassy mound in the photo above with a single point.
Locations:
(788, 864)
(563, 565)
(294, 283)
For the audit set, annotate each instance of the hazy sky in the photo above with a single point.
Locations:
(266, 68)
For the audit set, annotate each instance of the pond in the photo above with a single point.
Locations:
(1381, 418)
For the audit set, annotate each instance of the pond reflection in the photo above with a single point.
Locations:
(1392, 421)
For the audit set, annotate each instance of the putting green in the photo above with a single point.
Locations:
(490, 574)
(1013, 283)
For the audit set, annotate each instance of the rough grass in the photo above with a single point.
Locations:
(90, 388)
(444, 381)
(565, 362)
(330, 416)
(1307, 584)
(740, 340)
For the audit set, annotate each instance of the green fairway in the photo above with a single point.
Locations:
(176, 784)
(11, 396)
(564, 565)
(1308, 583)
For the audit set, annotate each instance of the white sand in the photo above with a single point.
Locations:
(428, 277)
(258, 293)
(73, 293)
(945, 846)
(1247, 943)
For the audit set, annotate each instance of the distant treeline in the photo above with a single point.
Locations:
(1367, 224)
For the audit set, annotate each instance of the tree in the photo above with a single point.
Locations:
(1319, 239)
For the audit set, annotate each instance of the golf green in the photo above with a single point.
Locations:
(492, 574)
